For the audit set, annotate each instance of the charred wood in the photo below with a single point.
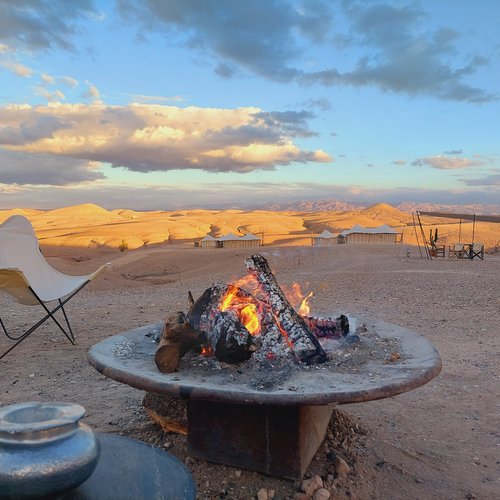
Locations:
(230, 340)
(228, 337)
(177, 338)
(328, 327)
(305, 345)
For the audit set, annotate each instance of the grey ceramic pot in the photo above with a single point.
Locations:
(44, 449)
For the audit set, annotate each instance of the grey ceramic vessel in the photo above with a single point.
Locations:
(44, 449)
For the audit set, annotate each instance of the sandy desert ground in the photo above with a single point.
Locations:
(440, 441)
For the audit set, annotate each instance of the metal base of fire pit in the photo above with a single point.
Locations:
(277, 440)
(274, 428)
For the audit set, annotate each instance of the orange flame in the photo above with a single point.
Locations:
(243, 306)
(296, 297)
(304, 308)
(248, 316)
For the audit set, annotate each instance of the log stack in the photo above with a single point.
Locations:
(223, 331)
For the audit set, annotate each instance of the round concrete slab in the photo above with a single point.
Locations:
(129, 358)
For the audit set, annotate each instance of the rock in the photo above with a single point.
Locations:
(237, 473)
(309, 486)
(394, 356)
(302, 496)
(262, 494)
(321, 494)
(341, 466)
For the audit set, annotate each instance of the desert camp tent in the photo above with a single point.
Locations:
(231, 240)
(208, 242)
(325, 238)
(359, 235)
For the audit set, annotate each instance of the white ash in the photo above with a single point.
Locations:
(272, 346)
(124, 349)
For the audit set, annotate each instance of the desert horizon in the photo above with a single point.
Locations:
(93, 228)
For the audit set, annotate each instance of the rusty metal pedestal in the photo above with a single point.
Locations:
(276, 440)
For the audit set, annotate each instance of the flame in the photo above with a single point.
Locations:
(243, 306)
(296, 297)
(304, 308)
(248, 316)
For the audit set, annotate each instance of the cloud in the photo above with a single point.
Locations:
(18, 68)
(148, 138)
(42, 169)
(50, 95)
(92, 92)
(489, 181)
(277, 39)
(400, 57)
(30, 130)
(67, 80)
(40, 25)
(257, 36)
(292, 123)
(48, 78)
(453, 152)
(445, 163)
(399, 162)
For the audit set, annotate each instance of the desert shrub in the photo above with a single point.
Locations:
(123, 246)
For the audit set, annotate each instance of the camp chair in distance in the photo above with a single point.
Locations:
(30, 280)
(477, 250)
(456, 251)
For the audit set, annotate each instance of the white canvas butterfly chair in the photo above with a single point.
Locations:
(29, 279)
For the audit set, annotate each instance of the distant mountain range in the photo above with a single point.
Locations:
(343, 206)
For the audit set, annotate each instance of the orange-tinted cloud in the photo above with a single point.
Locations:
(148, 138)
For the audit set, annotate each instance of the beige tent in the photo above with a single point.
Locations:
(208, 242)
(325, 238)
(360, 235)
(230, 240)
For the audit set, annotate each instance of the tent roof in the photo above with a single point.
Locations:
(249, 236)
(229, 237)
(450, 215)
(383, 229)
(208, 238)
(325, 234)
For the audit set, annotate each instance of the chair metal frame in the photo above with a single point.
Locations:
(456, 251)
(477, 250)
(50, 314)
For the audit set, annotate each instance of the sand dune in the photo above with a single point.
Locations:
(92, 227)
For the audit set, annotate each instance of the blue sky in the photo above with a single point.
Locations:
(167, 104)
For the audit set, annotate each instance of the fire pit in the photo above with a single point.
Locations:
(268, 411)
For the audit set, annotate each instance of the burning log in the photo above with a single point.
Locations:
(305, 345)
(328, 327)
(177, 339)
(230, 339)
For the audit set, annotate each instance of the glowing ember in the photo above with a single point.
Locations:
(207, 351)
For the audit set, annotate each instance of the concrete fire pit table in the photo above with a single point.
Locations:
(276, 427)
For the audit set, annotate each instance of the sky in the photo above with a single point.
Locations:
(177, 104)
